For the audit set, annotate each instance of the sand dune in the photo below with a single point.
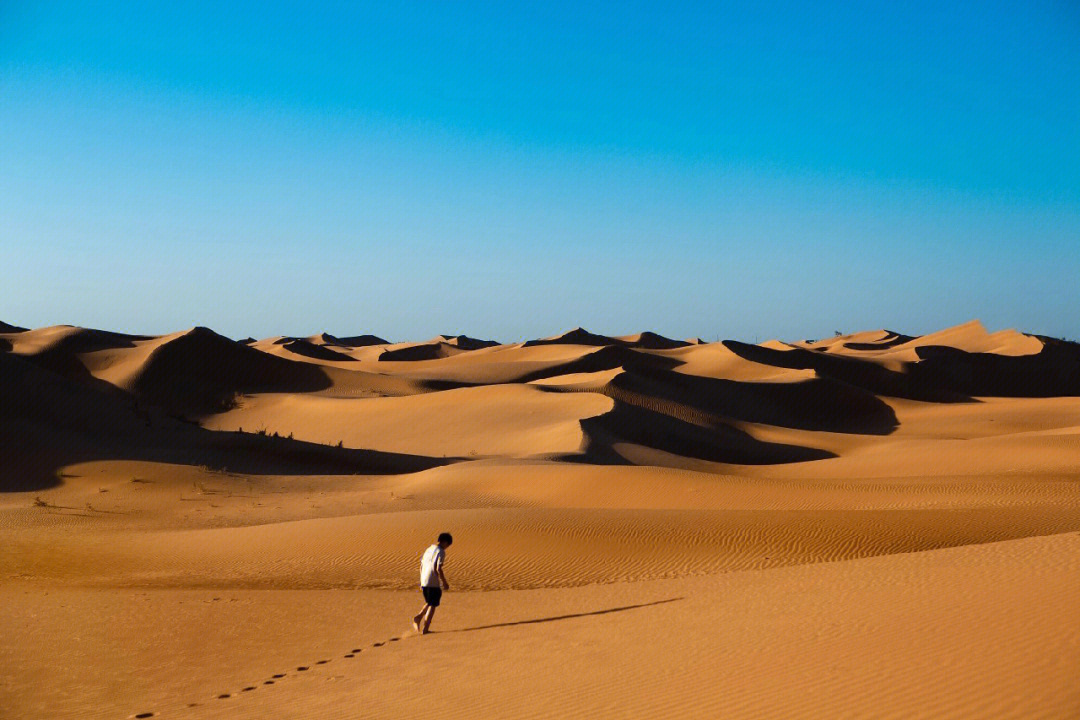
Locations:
(580, 336)
(6, 328)
(453, 422)
(434, 350)
(868, 525)
(50, 423)
(467, 343)
(650, 341)
(351, 341)
(577, 336)
(303, 346)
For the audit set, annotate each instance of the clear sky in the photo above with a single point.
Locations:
(511, 170)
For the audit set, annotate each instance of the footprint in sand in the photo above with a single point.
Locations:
(278, 676)
(145, 715)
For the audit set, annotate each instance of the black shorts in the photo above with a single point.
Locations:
(432, 595)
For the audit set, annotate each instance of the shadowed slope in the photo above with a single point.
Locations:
(53, 421)
(861, 373)
(1053, 372)
(7, 328)
(887, 339)
(302, 346)
(200, 371)
(577, 336)
(605, 358)
(714, 442)
(580, 336)
(467, 343)
(820, 404)
(943, 373)
(651, 341)
(60, 348)
(349, 340)
(435, 350)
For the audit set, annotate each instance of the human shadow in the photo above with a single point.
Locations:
(569, 616)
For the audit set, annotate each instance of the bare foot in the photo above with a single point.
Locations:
(416, 622)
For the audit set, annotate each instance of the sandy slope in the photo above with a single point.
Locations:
(453, 422)
(873, 525)
(979, 631)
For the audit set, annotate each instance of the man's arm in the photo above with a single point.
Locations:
(442, 578)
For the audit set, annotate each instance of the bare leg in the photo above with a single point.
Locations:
(427, 622)
(420, 618)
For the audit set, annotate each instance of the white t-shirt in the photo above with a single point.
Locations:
(430, 566)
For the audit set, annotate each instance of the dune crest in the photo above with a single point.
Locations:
(352, 341)
(6, 328)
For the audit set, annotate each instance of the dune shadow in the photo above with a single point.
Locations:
(606, 358)
(817, 404)
(893, 339)
(436, 350)
(942, 374)
(851, 371)
(48, 421)
(201, 372)
(304, 347)
(715, 442)
(570, 616)
(1054, 371)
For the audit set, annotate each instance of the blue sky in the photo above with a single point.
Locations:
(507, 170)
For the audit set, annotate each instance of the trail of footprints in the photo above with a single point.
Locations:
(274, 678)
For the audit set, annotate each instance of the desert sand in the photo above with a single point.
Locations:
(873, 525)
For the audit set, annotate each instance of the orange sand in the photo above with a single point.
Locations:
(867, 526)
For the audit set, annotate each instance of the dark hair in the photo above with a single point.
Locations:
(446, 538)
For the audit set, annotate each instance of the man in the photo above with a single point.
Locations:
(432, 581)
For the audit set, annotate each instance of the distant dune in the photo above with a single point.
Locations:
(581, 336)
(351, 341)
(866, 525)
(433, 350)
(5, 328)
(302, 346)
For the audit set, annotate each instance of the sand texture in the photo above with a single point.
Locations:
(875, 525)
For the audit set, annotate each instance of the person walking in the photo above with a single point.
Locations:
(432, 581)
